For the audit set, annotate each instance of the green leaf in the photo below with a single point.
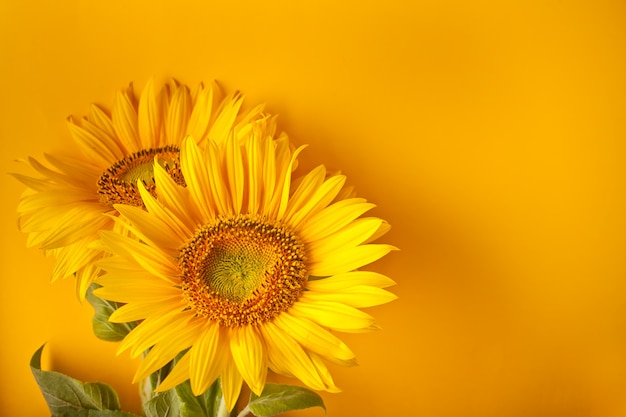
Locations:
(276, 399)
(96, 413)
(102, 327)
(164, 404)
(205, 405)
(67, 395)
(149, 384)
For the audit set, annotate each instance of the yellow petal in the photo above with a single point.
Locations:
(153, 330)
(70, 230)
(77, 171)
(320, 199)
(226, 114)
(255, 174)
(178, 115)
(285, 353)
(121, 283)
(283, 184)
(32, 183)
(382, 230)
(91, 146)
(269, 175)
(43, 200)
(196, 176)
(178, 375)
(333, 218)
(152, 260)
(152, 294)
(85, 276)
(322, 370)
(125, 122)
(139, 311)
(249, 356)
(148, 117)
(50, 174)
(351, 235)
(176, 198)
(360, 296)
(246, 124)
(333, 315)
(155, 208)
(112, 143)
(219, 194)
(349, 280)
(167, 348)
(40, 217)
(99, 118)
(120, 265)
(231, 384)
(150, 228)
(200, 118)
(349, 259)
(234, 170)
(72, 258)
(305, 190)
(206, 361)
(315, 339)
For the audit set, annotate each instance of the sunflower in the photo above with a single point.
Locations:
(244, 269)
(63, 210)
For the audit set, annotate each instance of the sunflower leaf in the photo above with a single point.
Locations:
(277, 398)
(95, 413)
(164, 404)
(204, 405)
(102, 327)
(66, 396)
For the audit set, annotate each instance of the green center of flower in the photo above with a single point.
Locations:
(242, 270)
(118, 184)
(235, 269)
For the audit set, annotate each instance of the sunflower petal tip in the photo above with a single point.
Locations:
(124, 346)
(138, 377)
(375, 327)
(330, 386)
(162, 388)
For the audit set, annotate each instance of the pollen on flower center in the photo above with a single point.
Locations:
(118, 184)
(242, 270)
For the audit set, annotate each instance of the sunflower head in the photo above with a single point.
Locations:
(221, 269)
(70, 202)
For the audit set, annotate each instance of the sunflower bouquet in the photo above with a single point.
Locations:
(202, 249)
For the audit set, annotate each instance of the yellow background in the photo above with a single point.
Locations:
(491, 134)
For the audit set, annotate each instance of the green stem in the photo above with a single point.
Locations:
(244, 412)
(222, 411)
(152, 381)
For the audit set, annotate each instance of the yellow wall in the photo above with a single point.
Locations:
(491, 134)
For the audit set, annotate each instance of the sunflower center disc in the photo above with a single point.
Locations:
(242, 270)
(235, 269)
(118, 184)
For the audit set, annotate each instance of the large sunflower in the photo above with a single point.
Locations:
(64, 209)
(243, 269)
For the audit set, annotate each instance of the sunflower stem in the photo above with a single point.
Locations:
(222, 410)
(244, 412)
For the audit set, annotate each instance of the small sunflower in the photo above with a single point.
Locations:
(63, 210)
(244, 269)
